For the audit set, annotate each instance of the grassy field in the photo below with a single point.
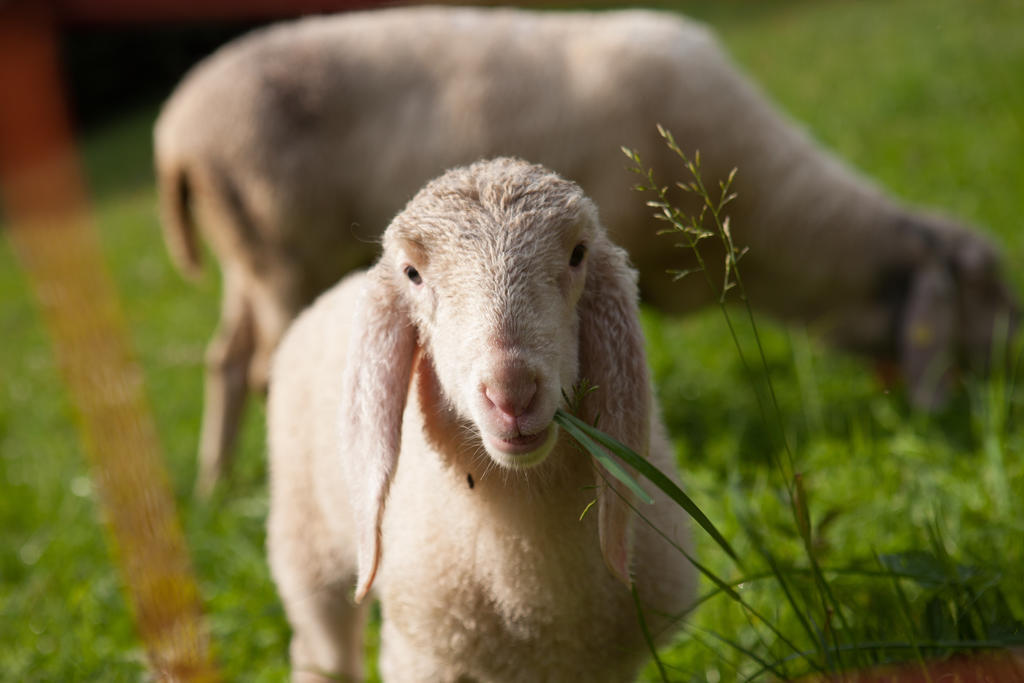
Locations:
(923, 95)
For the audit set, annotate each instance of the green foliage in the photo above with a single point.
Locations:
(913, 520)
(816, 628)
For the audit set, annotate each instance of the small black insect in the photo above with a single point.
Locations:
(469, 480)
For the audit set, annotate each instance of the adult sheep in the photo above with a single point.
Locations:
(293, 147)
(460, 506)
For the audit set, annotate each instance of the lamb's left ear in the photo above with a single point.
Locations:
(612, 358)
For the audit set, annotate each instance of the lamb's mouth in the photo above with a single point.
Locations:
(521, 452)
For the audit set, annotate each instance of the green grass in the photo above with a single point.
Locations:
(923, 95)
(809, 609)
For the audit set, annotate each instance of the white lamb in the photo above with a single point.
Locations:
(497, 290)
(293, 147)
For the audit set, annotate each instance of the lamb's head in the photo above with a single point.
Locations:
(492, 261)
(502, 275)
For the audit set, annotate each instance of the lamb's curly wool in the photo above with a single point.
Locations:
(413, 451)
(293, 147)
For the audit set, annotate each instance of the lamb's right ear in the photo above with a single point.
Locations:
(374, 389)
(612, 358)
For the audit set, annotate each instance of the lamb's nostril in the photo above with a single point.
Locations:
(514, 399)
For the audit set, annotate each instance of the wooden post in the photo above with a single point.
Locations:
(50, 226)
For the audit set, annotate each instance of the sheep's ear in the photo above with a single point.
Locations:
(927, 337)
(612, 359)
(374, 389)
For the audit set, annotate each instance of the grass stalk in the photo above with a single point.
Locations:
(647, 633)
(586, 435)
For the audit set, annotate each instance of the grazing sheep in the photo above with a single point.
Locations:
(497, 290)
(292, 148)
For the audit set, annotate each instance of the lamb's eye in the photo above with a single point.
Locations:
(413, 275)
(577, 255)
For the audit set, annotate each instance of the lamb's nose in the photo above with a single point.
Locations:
(511, 398)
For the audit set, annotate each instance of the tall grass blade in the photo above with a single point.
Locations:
(766, 666)
(829, 605)
(908, 618)
(578, 428)
(780, 577)
(572, 426)
(647, 633)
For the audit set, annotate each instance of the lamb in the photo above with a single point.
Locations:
(292, 147)
(498, 290)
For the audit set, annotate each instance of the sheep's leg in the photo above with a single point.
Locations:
(228, 358)
(328, 641)
(402, 659)
(273, 307)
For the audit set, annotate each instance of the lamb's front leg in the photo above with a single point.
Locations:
(404, 657)
(327, 642)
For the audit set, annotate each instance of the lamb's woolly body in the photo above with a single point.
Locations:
(499, 580)
(292, 148)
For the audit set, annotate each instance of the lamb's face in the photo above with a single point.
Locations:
(492, 287)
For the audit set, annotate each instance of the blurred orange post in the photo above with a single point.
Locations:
(49, 225)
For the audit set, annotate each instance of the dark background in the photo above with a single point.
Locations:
(112, 69)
